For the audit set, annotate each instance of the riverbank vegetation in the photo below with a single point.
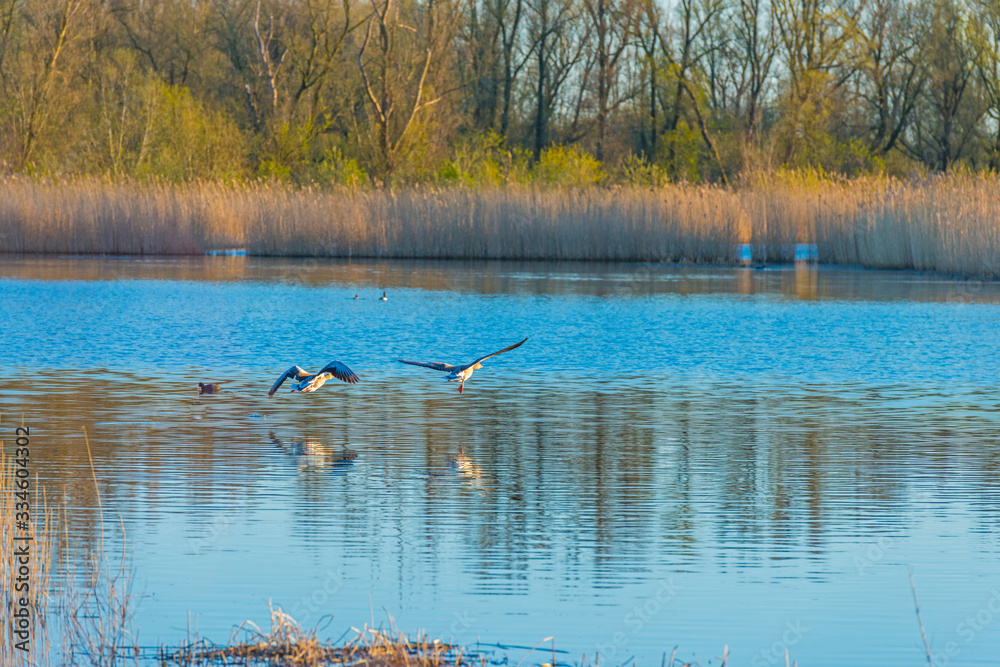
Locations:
(495, 92)
(532, 129)
(944, 223)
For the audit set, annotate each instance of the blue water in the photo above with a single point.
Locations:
(679, 457)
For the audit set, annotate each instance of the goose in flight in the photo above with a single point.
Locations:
(463, 372)
(312, 381)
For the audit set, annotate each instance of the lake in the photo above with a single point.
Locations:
(690, 457)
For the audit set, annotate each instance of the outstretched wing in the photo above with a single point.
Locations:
(293, 372)
(341, 372)
(436, 365)
(506, 349)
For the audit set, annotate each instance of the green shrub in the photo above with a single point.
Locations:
(338, 169)
(192, 141)
(567, 167)
(637, 171)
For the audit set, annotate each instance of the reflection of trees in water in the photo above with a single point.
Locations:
(602, 477)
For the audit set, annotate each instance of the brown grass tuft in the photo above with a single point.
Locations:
(288, 644)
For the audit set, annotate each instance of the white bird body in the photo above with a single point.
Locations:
(460, 373)
(313, 383)
(310, 382)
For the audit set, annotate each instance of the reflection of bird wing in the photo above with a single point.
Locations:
(341, 372)
(436, 365)
(506, 349)
(293, 372)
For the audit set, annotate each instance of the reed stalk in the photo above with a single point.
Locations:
(38, 540)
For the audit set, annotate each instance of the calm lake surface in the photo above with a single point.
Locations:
(689, 457)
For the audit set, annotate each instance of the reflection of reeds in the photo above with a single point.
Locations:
(288, 644)
(38, 541)
(944, 223)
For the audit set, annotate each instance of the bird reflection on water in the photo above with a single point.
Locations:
(470, 471)
(310, 453)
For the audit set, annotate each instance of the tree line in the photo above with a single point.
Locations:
(492, 91)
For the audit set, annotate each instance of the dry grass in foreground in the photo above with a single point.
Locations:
(23, 579)
(95, 613)
(946, 223)
(288, 644)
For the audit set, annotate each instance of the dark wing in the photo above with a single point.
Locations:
(293, 372)
(341, 372)
(506, 349)
(436, 365)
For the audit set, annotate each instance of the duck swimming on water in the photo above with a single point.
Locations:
(213, 388)
(463, 372)
(309, 382)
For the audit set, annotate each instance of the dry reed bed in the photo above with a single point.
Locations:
(288, 644)
(944, 223)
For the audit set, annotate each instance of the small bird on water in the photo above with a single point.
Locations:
(383, 297)
(309, 382)
(463, 372)
(213, 388)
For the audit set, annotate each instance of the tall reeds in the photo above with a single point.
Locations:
(943, 223)
(33, 572)
(91, 610)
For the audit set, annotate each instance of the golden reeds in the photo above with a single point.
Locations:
(943, 223)
(26, 526)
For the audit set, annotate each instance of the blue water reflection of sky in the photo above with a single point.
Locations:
(686, 457)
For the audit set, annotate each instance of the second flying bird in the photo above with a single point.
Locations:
(463, 372)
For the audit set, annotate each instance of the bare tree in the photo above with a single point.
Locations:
(612, 24)
(947, 115)
(986, 33)
(509, 14)
(169, 35)
(815, 37)
(892, 75)
(555, 53)
(30, 79)
(397, 88)
(750, 58)
(694, 17)
(647, 35)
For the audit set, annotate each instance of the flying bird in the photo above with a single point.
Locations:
(463, 372)
(312, 381)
